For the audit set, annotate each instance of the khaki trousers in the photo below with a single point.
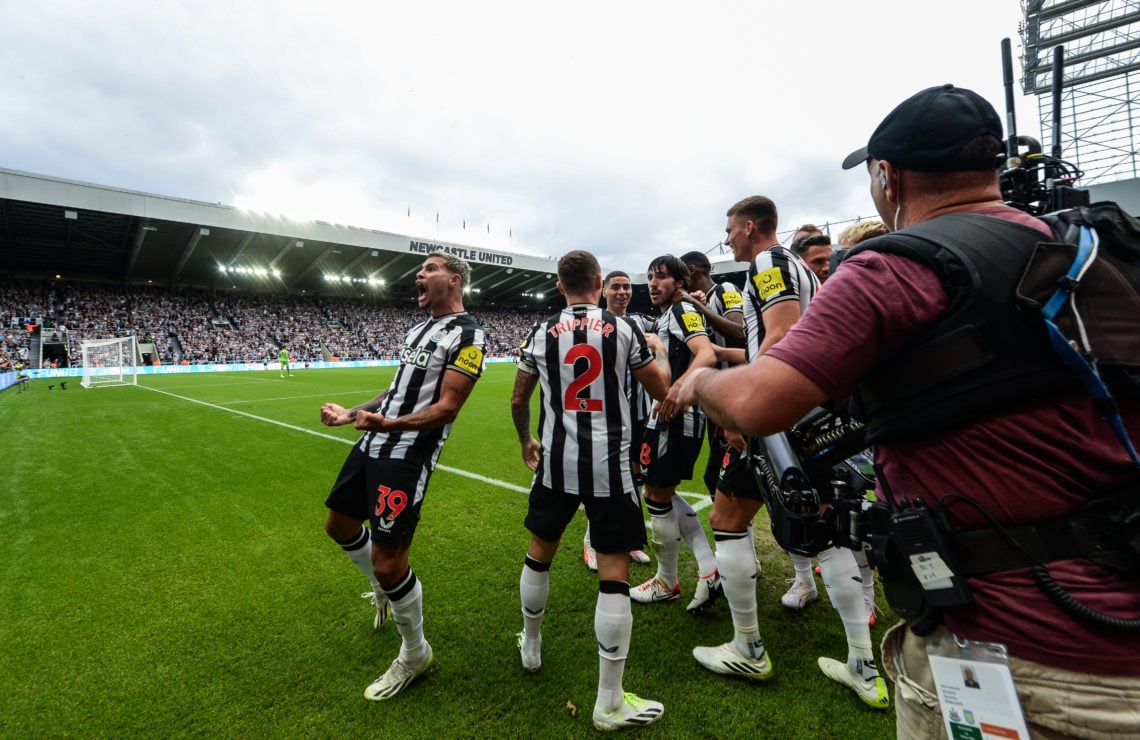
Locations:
(1057, 703)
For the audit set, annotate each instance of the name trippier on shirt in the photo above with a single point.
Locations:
(600, 325)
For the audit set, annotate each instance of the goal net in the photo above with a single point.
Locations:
(110, 362)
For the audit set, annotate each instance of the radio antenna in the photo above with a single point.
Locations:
(1058, 73)
(1007, 80)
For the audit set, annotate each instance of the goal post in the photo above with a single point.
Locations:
(110, 362)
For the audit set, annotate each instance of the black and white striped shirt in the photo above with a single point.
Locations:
(432, 347)
(581, 356)
(723, 299)
(775, 276)
(640, 402)
(678, 324)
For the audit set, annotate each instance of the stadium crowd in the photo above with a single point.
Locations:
(193, 325)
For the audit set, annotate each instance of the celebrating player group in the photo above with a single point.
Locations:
(611, 423)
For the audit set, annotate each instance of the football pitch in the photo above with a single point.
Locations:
(166, 573)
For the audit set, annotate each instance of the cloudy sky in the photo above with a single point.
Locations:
(624, 128)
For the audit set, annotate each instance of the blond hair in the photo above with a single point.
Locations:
(861, 231)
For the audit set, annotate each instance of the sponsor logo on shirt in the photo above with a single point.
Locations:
(470, 358)
(732, 299)
(410, 355)
(769, 283)
(692, 321)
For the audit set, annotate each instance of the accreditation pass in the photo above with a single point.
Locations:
(975, 690)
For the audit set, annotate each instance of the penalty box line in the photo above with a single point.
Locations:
(698, 501)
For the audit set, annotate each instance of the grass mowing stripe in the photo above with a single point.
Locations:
(356, 393)
(294, 427)
(247, 415)
(700, 501)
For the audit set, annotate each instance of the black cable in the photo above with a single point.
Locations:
(1065, 600)
(1044, 580)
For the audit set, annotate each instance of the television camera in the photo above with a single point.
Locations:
(815, 477)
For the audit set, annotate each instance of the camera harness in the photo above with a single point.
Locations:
(988, 350)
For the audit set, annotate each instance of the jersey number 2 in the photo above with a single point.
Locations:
(573, 400)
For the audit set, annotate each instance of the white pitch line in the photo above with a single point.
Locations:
(702, 501)
(357, 394)
(251, 416)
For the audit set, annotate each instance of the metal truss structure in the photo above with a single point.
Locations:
(1101, 81)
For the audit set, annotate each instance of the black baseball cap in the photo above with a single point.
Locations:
(925, 132)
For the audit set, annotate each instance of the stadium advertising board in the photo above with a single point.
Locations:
(77, 372)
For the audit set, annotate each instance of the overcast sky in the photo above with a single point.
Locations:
(624, 128)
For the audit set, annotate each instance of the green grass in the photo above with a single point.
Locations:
(166, 573)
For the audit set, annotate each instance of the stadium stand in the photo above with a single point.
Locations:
(211, 326)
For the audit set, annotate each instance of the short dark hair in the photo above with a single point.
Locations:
(801, 246)
(981, 149)
(757, 209)
(577, 271)
(674, 267)
(697, 261)
(614, 274)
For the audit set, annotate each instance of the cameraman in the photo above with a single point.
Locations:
(1022, 453)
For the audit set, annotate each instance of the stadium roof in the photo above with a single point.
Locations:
(50, 226)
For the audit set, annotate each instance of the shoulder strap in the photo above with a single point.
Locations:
(1087, 247)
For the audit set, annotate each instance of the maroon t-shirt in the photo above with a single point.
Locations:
(1025, 464)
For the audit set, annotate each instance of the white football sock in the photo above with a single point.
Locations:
(666, 540)
(534, 588)
(613, 625)
(359, 551)
(841, 578)
(694, 535)
(736, 558)
(407, 599)
(802, 566)
(866, 574)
